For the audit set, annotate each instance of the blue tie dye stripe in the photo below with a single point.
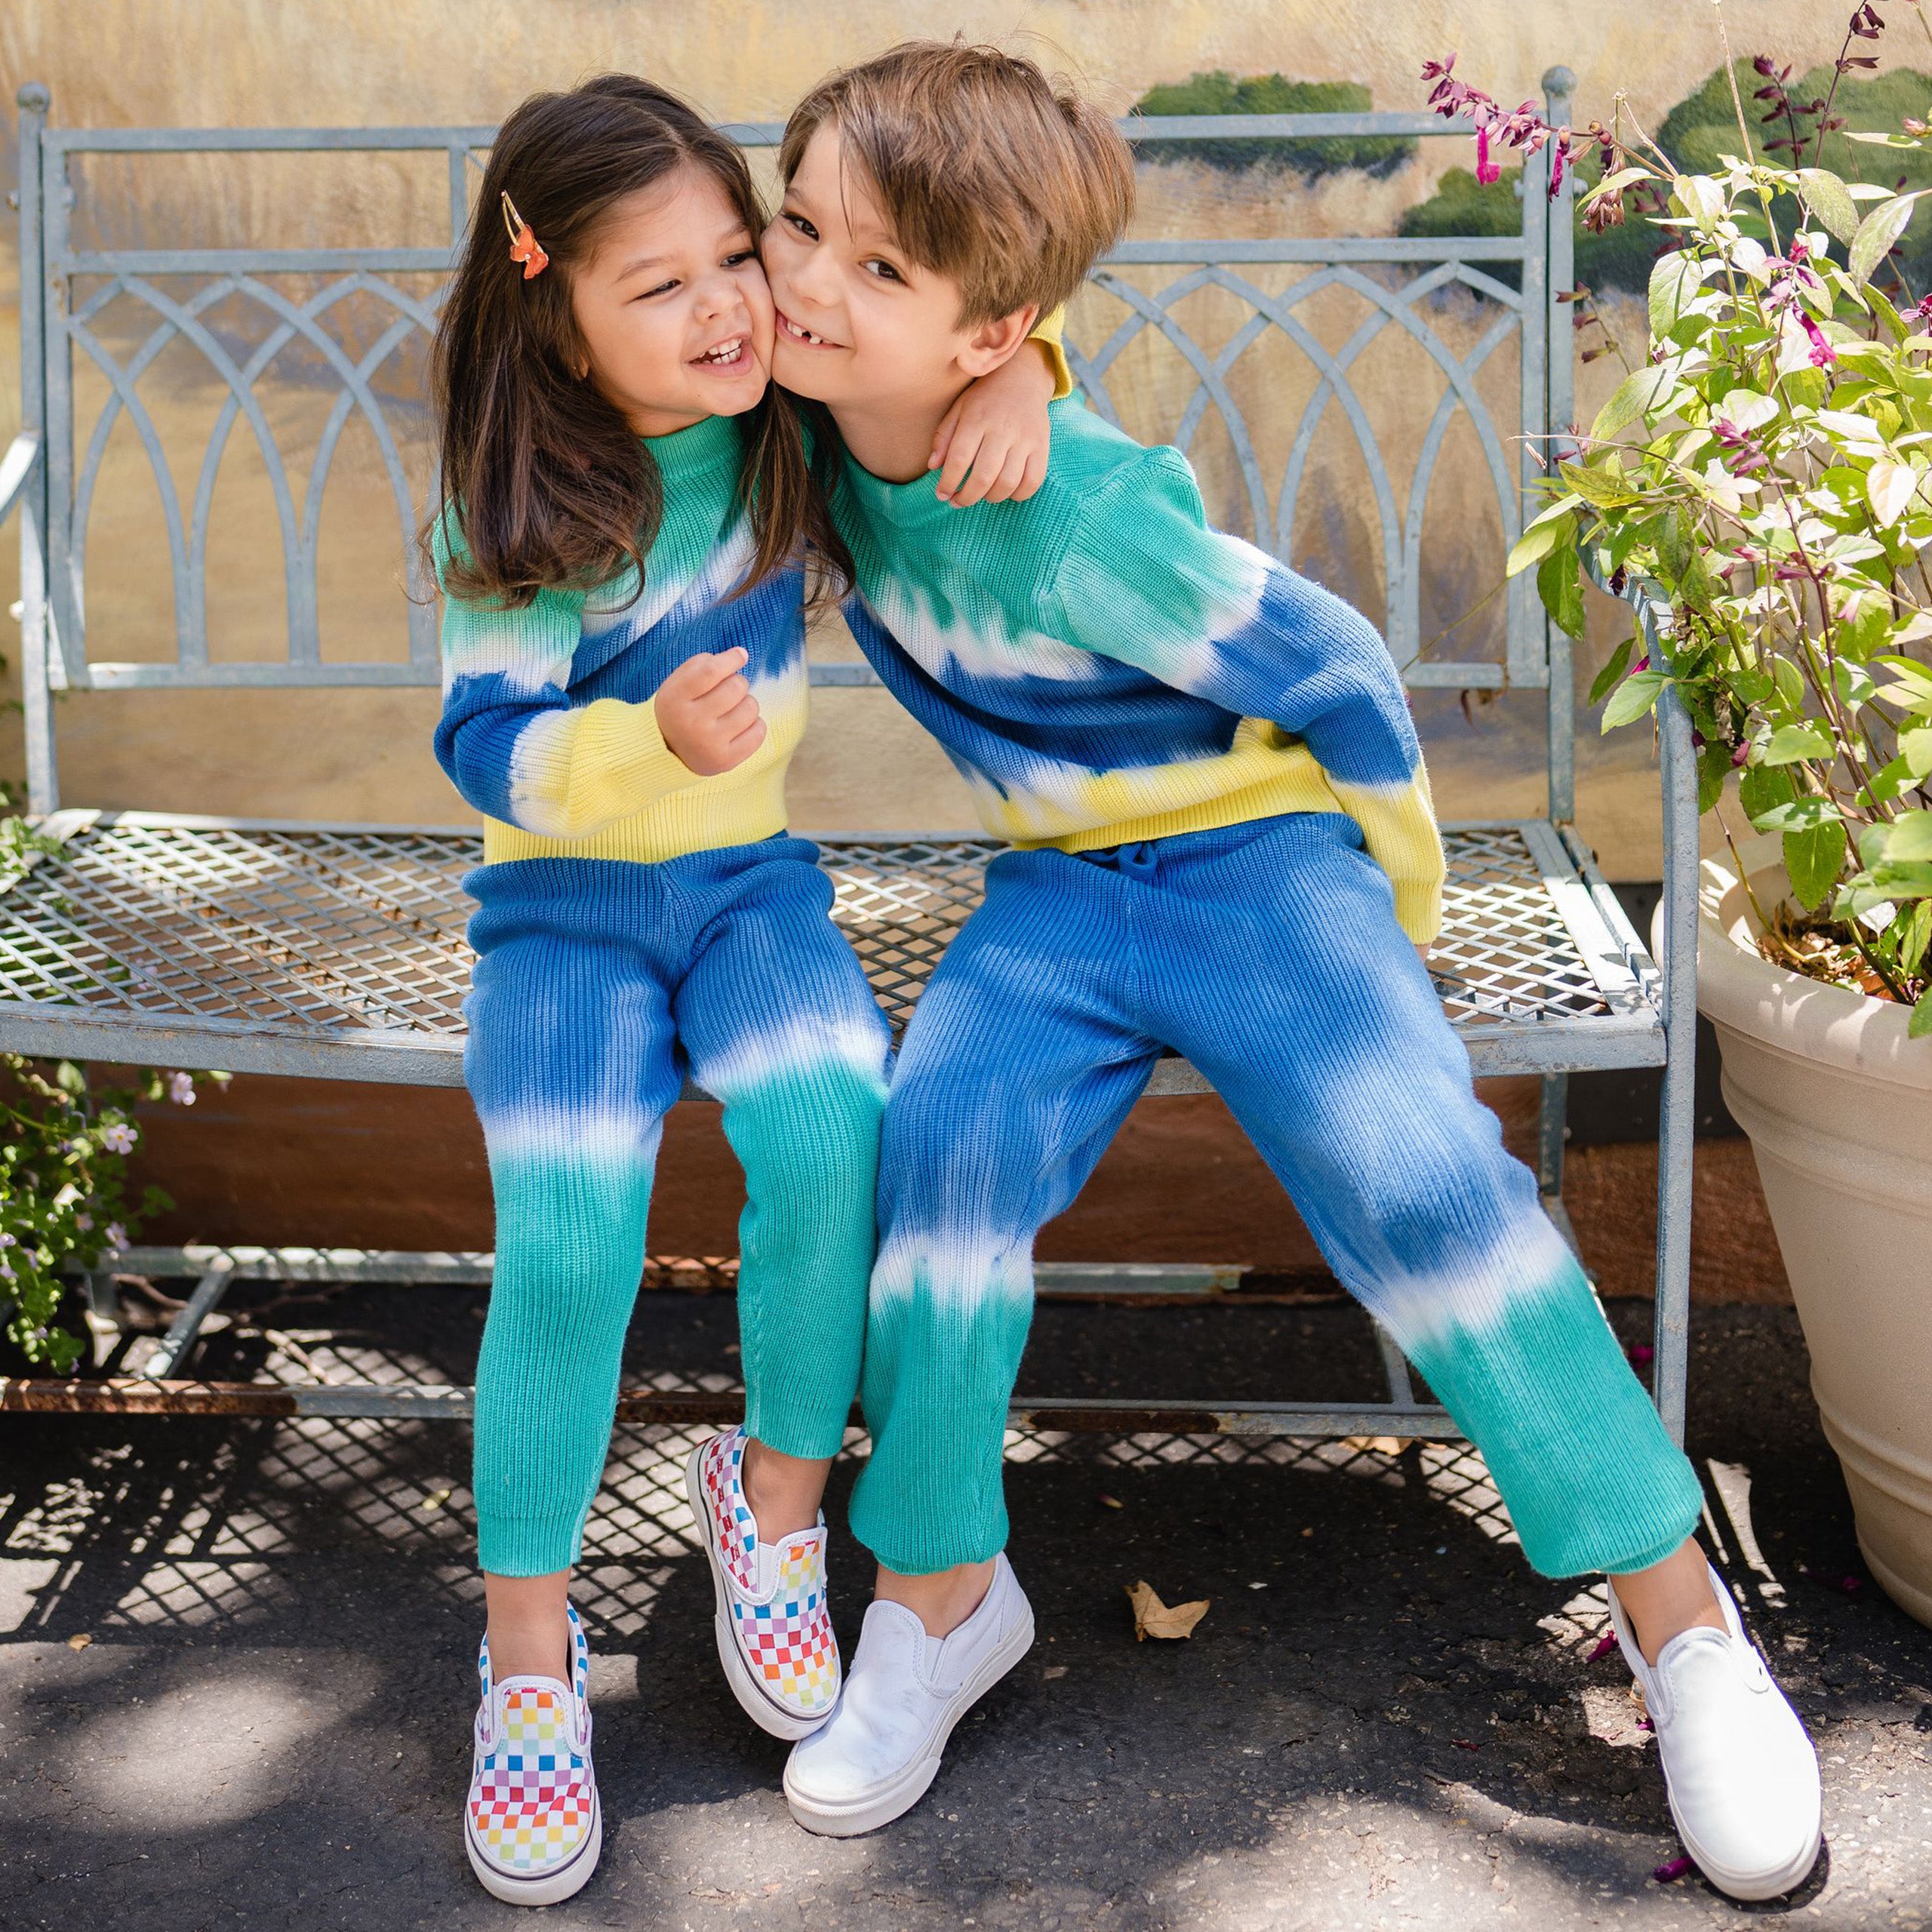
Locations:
(1267, 953)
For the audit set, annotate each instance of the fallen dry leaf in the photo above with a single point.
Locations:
(79, 1641)
(1152, 1618)
(1382, 1445)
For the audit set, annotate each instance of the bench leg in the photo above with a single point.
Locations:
(160, 1367)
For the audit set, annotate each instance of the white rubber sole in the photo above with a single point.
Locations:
(1757, 1886)
(895, 1798)
(769, 1717)
(549, 1888)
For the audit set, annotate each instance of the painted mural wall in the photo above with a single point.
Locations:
(363, 754)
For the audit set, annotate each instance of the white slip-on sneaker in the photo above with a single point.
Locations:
(532, 1826)
(905, 1692)
(773, 1627)
(1741, 1773)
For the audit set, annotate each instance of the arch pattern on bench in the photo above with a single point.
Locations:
(337, 949)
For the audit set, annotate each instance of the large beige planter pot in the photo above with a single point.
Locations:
(1838, 1102)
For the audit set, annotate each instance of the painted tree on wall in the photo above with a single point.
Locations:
(1221, 92)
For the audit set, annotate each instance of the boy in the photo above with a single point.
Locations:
(1225, 834)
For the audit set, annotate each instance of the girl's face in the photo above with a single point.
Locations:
(672, 306)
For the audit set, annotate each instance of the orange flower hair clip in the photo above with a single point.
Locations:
(524, 245)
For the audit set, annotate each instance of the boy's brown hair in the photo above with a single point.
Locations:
(987, 171)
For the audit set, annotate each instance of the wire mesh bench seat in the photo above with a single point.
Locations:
(337, 950)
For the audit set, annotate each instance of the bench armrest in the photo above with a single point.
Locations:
(16, 466)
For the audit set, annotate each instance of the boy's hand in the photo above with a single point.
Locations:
(997, 432)
(707, 714)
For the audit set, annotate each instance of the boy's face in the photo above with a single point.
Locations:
(859, 327)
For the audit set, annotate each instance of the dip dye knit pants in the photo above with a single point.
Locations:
(598, 983)
(1267, 953)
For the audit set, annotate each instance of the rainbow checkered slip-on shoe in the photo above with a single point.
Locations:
(533, 1826)
(774, 1630)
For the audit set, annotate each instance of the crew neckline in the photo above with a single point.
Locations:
(703, 446)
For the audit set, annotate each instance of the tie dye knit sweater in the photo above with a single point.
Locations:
(548, 727)
(1102, 667)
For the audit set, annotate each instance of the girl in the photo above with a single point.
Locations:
(621, 506)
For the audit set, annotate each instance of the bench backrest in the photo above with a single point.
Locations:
(300, 299)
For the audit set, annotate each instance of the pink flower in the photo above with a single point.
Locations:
(181, 1089)
(117, 1236)
(1671, 1869)
(1605, 1644)
(119, 1139)
(1487, 169)
(1822, 351)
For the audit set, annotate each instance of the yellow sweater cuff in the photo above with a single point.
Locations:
(1049, 333)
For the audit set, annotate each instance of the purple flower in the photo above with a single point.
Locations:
(1487, 169)
(181, 1089)
(1605, 1644)
(1822, 351)
(119, 1139)
(84, 1222)
(7, 1240)
(117, 1237)
(1672, 1870)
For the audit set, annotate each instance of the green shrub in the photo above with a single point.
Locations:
(1220, 93)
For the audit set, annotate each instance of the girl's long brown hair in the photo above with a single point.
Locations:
(547, 483)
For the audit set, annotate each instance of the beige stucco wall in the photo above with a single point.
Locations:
(365, 755)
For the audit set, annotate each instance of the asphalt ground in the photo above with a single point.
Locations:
(235, 1680)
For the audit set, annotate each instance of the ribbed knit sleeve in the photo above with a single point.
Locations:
(1145, 580)
(510, 739)
(1050, 332)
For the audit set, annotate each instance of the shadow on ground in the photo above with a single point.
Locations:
(236, 1681)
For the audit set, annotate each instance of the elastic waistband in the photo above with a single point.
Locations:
(551, 873)
(1140, 857)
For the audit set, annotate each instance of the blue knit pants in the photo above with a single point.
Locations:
(1269, 954)
(597, 982)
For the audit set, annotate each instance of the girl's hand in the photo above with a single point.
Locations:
(707, 714)
(998, 432)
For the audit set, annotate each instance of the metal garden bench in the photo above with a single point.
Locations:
(337, 950)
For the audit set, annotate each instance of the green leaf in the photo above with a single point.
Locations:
(1916, 935)
(1890, 486)
(1560, 585)
(1762, 786)
(1674, 280)
(1920, 1024)
(1536, 541)
(1747, 409)
(1713, 768)
(1909, 839)
(1830, 202)
(1633, 698)
(1604, 484)
(1606, 678)
(1814, 860)
(1791, 742)
(1876, 234)
(1798, 815)
(1638, 395)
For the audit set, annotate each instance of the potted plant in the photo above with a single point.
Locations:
(1763, 477)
